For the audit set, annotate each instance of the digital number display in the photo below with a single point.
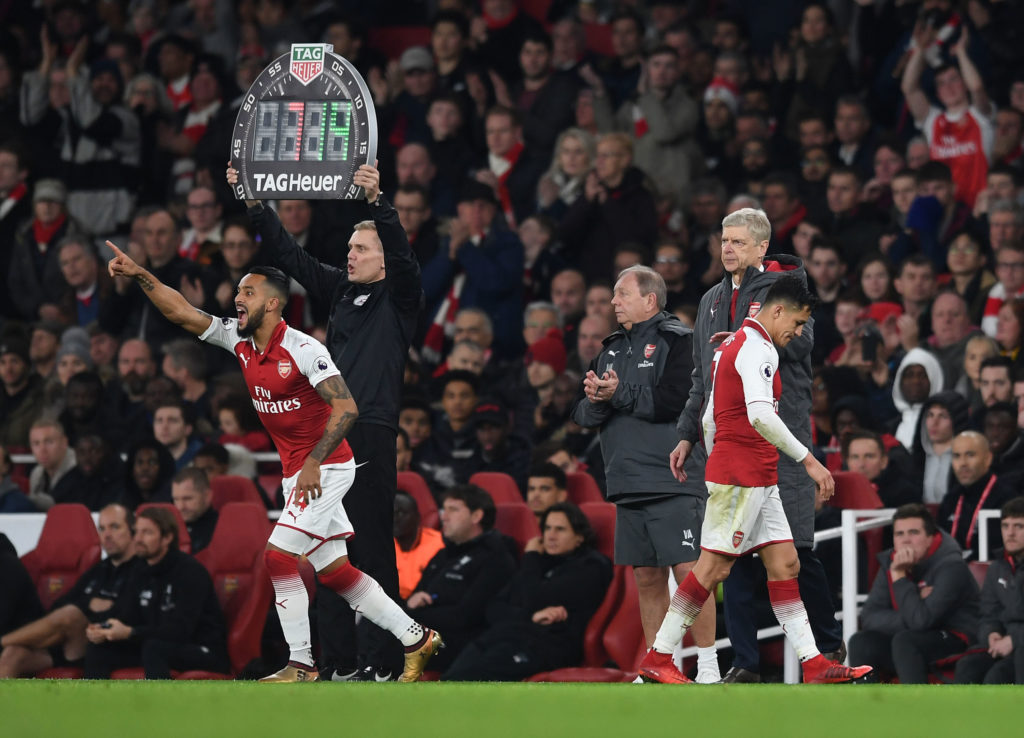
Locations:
(302, 130)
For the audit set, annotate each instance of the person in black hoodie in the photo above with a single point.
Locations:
(976, 487)
(445, 457)
(148, 473)
(943, 416)
(537, 621)
(169, 619)
(96, 479)
(462, 578)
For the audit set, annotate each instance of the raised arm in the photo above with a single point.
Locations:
(168, 301)
(335, 393)
(972, 79)
(917, 101)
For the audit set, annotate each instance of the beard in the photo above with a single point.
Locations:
(253, 322)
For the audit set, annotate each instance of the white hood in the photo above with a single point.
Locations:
(909, 413)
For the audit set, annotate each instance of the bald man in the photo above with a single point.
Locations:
(975, 488)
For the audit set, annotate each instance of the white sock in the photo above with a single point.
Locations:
(292, 605)
(364, 595)
(792, 616)
(683, 609)
(707, 659)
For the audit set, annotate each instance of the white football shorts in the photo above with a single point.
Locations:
(738, 520)
(303, 529)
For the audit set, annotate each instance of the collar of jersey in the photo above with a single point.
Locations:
(756, 325)
(275, 338)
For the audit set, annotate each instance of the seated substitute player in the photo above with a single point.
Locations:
(306, 407)
(744, 433)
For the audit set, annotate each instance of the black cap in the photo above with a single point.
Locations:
(16, 346)
(490, 412)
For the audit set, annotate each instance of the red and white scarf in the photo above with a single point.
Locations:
(502, 167)
(444, 322)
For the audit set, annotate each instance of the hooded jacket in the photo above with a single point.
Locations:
(795, 487)
(637, 426)
(910, 413)
(952, 605)
(932, 468)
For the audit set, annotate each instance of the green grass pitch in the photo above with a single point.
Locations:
(199, 709)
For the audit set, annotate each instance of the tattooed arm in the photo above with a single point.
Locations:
(335, 393)
(168, 301)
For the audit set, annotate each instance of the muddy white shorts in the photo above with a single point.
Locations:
(738, 520)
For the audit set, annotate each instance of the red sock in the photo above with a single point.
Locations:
(690, 597)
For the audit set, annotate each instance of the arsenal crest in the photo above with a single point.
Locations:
(737, 539)
(284, 368)
(307, 61)
(649, 350)
(755, 308)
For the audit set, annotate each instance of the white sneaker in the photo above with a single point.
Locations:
(708, 676)
(639, 680)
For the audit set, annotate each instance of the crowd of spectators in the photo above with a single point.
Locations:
(532, 150)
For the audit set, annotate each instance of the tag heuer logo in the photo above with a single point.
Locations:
(284, 368)
(307, 61)
(649, 350)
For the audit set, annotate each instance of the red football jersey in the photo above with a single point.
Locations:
(964, 145)
(745, 372)
(281, 383)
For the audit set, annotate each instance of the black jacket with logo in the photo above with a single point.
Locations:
(654, 362)
(371, 325)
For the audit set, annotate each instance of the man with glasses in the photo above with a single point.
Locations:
(205, 228)
(1010, 273)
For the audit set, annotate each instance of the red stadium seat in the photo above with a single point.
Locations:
(599, 38)
(271, 484)
(536, 8)
(184, 539)
(232, 488)
(234, 559)
(61, 672)
(622, 638)
(517, 521)
(501, 487)
(980, 570)
(68, 545)
(602, 519)
(582, 488)
(393, 40)
(855, 492)
(412, 482)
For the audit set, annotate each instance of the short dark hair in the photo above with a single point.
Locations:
(785, 180)
(917, 260)
(934, 171)
(546, 469)
(1012, 509)
(475, 498)
(916, 510)
(537, 37)
(414, 402)
(843, 169)
(998, 361)
(907, 172)
(828, 244)
(860, 434)
(1005, 169)
(277, 280)
(187, 413)
(164, 520)
(662, 49)
(454, 17)
(411, 188)
(461, 375)
(215, 451)
(577, 521)
(129, 514)
(1006, 408)
(195, 475)
(790, 291)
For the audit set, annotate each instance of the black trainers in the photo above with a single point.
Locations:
(736, 675)
(367, 674)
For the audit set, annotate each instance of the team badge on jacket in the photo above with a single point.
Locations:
(649, 350)
(284, 368)
(755, 308)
